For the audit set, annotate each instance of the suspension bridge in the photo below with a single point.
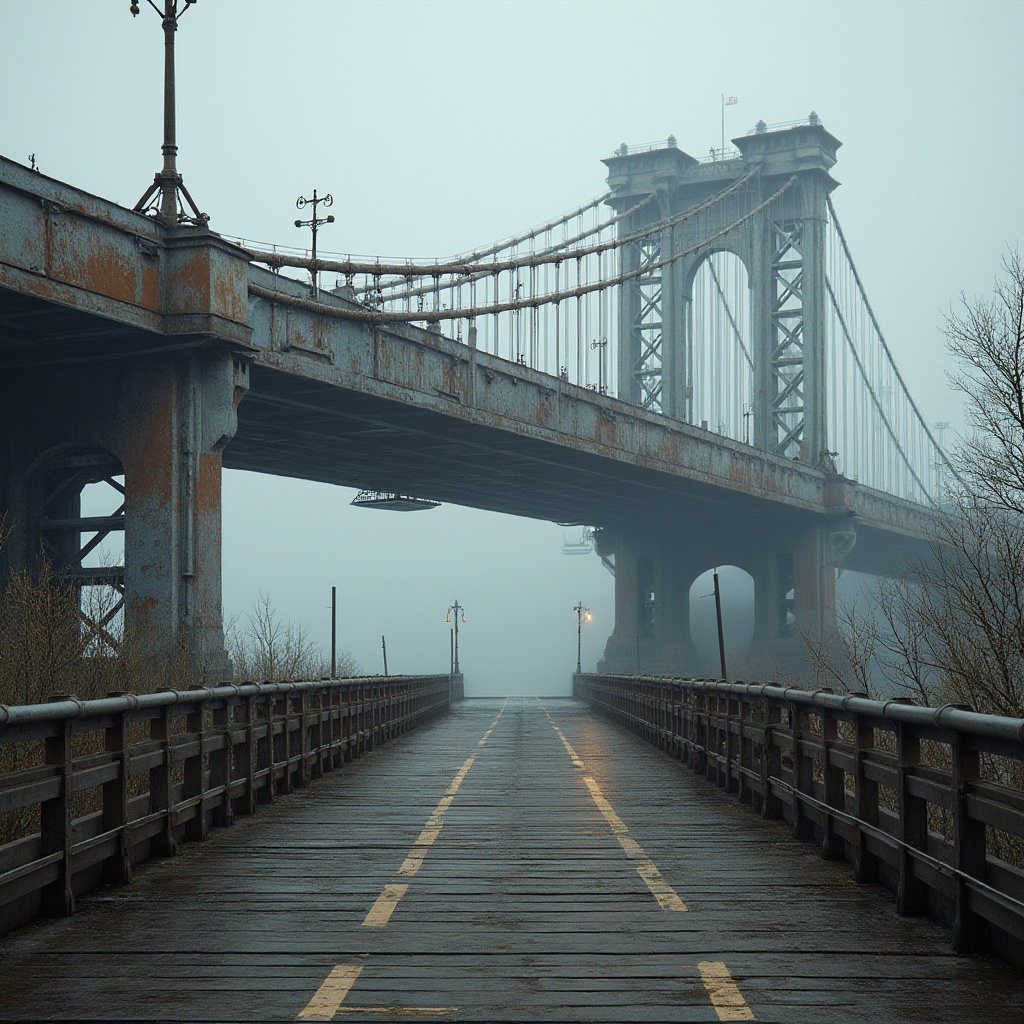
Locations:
(694, 345)
(689, 364)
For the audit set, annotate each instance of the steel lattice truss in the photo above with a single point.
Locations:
(787, 351)
(647, 325)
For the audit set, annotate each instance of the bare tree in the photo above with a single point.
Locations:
(987, 339)
(952, 627)
(268, 648)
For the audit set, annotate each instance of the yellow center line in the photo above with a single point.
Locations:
(381, 911)
(331, 994)
(667, 897)
(724, 993)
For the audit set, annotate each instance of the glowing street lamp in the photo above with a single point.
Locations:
(455, 612)
(581, 615)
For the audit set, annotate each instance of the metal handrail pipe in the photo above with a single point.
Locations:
(72, 707)
(953, 717)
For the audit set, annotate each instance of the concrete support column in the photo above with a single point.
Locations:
(182, 414)
(652, 607)
(794, 574)
(166, 419)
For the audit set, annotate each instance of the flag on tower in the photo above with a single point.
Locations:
(731, 100)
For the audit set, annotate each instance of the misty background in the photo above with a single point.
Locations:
(441, 126)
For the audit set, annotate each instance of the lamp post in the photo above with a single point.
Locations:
(456, 611)
(167, 180)
(313, 223)
(581, 614)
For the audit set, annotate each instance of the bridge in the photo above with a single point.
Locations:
(698, 376)
(734, 345)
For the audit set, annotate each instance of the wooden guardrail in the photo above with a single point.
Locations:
(92, 788)
(927, 801)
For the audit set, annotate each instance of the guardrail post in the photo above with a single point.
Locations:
(302, 702)
(969, 930)
(117, 869)
(771, 759)
(266, 750)
(247, 756)
(865, 864)
(160, 783)
(282, 743)
(58, 897)
(803, 776)
(835, 789)
(732, 778)
(195, 768)
(911, 894)
(220, 764)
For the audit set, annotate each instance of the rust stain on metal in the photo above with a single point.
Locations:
(148, 454)
(192, 281)
(85, 261)
(208, 488)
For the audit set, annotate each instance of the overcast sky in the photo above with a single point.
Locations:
(441, 126)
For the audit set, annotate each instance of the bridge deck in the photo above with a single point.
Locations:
(546, 859)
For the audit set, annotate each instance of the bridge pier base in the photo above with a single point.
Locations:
(794, 571)
(159, 422)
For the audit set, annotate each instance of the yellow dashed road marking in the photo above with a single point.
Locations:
(380, 913)
(666, 896)
(724, 993)
(331, 994)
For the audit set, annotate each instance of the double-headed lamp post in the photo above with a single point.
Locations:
(456, 612)
(313, 223)
(168, 181)
(581, 615)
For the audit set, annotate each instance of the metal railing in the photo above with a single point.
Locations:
(926, 801)
(91, 789)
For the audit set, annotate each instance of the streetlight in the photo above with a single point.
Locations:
(313, 223)
(458, 612)
(581, 615)
(168, 181)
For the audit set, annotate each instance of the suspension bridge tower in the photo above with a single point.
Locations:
(766, 203)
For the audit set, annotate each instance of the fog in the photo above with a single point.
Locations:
(442, 126)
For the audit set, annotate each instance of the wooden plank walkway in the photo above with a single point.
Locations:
(517, 860)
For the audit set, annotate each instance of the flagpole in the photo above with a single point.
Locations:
(723, 124)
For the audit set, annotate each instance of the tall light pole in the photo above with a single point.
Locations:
(581, 614)
(314, 222)
(167, 180)
(455, 612)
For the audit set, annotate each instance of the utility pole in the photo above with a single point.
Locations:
(334, 631)
(721, 635)
(313, 223)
